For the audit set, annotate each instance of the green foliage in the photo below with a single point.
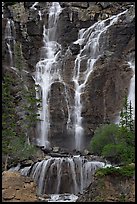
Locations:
(125, 135)
(112, 151)
(127, 171)
(28, 94)
(122, 198)
(105, 134)
(116, 142)
(8, 113)
(9, 3)
(18, 56)
(13, 133)
(31, 108)
(20, 150)
(126, 115)
(119, 153)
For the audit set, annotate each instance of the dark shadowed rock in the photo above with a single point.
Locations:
(74, 48)
(105, 4)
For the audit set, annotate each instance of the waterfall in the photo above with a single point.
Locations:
(2, 10)
(10, 39)
(92, 45)
(131, 93)
(34, 8)
(91, 48)
(47, 71)
(58, 175)
(53, 174)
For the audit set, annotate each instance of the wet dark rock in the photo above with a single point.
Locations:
(26, 163)
(28, 4)
(54, 154)
(46, 149)
(74, 48)
(56, 149)
(105, 4)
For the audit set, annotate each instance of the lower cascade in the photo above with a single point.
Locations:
(62, 175)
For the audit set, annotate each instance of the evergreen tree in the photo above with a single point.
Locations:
(126, 115)
(116, 142)
(131, 120)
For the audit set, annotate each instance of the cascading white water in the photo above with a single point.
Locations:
(47, 71)
(70, 174)
(2, 10)
(90, 49)
(53, 174)
(34, 8)
(131, 93)
(10, 39)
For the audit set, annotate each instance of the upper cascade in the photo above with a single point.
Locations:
(47, 72)
(92, 42)
(10, 39)
(77, 55)
(92, 45)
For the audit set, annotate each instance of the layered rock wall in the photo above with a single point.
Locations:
(107, 85)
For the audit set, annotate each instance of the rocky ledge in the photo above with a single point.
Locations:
(110, 188)
(17, 188)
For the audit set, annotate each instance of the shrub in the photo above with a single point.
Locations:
(20, 149)
(127, 171)
(119, 153)
(104, 135)
(17, 150)
(112, 152)
(14, 129)
(125, 135)
(114, 143)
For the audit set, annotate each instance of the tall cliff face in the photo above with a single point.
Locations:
(106, 86)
